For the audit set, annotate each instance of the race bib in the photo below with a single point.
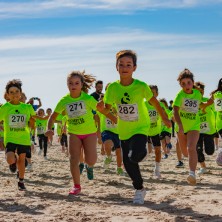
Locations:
(218, 104)
(17, 120)
(40, 130)
(153, 114)
(190, 105)
(110, 124)
(76, 109)
(128, 112)
(204, 127)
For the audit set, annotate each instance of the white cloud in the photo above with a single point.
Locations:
(50, 8)
(42, 63)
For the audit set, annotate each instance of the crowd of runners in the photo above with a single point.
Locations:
(128, 120)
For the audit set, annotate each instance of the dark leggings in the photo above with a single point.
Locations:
(43, 141)
(133, 151)
(206, 141)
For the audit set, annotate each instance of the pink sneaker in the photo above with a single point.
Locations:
(75, 191)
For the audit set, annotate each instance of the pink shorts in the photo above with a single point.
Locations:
(82, 137)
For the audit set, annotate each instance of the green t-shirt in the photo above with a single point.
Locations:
(207, 119)
(16, 118)
(107, 124)
(164, 128)
(155, 119)
(188, 109)
(41, 125)
(79, 114)
(218, 107)
(131, 109)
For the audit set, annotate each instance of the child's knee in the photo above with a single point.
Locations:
(137, 157)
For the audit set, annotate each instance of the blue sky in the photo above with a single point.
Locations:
(42, 41)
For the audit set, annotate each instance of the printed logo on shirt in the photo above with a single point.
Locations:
(125, 99)
(76, 121)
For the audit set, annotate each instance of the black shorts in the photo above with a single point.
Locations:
(216, 135)
(64, 140)
(11, 147)
(164, 134)
(155, 140)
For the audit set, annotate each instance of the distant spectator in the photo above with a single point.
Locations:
(31, 101)
(99, 89)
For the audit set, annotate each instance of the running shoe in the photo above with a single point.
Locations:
(165, 156)
(89, 171)
(202, 171)
(45, 157)
(139, 196)
(156, 173)
(120, 171)
(179, 164)
(75, 191)
(81, 167)
(191, 179)
(21, 186)
(107, 162)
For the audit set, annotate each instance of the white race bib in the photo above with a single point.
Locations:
(17, 120)
(204, 127)
(153, 114)
(40, 130)
(190, 105)
(76, 109)
(128, 112)
(218, 104)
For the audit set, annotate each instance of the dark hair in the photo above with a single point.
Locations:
(127, 53)
(14, 83)
(86, 79)
(219, 87)
(154, 87)
(186, 73)
(199, 85)
(163, 100)
(98, 82)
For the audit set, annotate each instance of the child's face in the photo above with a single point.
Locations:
(125, 67)
(14, 94)
(74, 84)
(41, 112)
(49, 111)
(187, 85)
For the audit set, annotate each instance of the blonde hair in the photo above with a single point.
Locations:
(86, 79)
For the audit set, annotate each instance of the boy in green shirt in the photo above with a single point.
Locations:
(133, 122)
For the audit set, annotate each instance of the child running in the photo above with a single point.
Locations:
(78, 106)
(16, 116)
(128, 94)
(207, 131)
(186, 107)
(154, 131)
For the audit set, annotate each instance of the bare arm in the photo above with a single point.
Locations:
(50, 123)
(177, 118)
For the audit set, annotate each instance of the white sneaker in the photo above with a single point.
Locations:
(40, 152)
(139, 196)
(29, 167)
(191, 179)
(45, 157)
(202, 171)
(156, 173)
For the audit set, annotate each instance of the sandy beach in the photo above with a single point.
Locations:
(109, 196)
